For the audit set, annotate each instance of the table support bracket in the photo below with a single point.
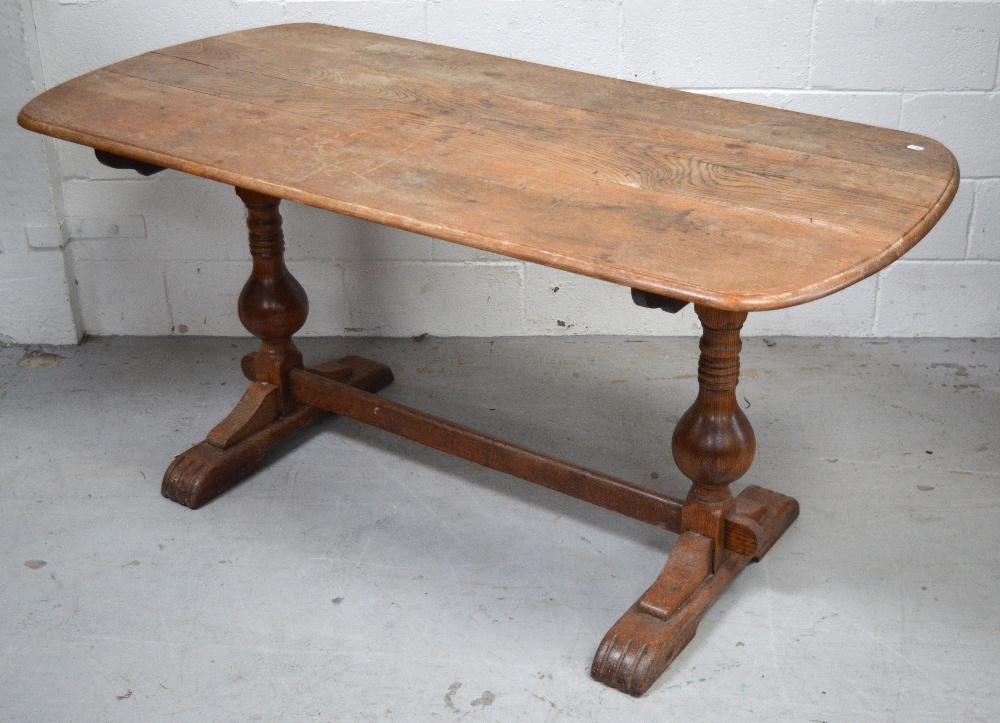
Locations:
(649, 300)
(113, 160)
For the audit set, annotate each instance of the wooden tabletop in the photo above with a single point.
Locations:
(725, 203)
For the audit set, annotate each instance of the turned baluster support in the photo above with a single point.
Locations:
(713, 443)
(713, 446)
(273, 305)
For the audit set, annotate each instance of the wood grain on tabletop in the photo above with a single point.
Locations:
(733, 205)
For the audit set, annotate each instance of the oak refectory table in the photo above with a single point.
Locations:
(680, 197)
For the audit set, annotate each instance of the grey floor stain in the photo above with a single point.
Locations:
(39, 360)
(449, 697)
(484, 700)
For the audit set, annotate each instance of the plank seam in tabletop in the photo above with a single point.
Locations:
(744, 204)
(471, 156)
(281, 72)
(812, 280)
(745, 207)
(243, 39)
(175, 53)
(325, 201)
(756, 301)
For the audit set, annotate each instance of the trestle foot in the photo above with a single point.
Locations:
(651, 633)
(209, 468)
(713, 445)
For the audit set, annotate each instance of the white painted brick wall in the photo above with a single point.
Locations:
(122, 296)
(717, 43)
(35, 297)
(948, 239)
(398, 298)
(402, 18)
(928, 67)
(967, 123)
(877, 109)
(577, 34)
(557, 302)
(984, 241)
(904, 45)
(938, 298)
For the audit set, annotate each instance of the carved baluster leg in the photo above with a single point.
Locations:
(272, 306)
(713, 445)
(713, 442)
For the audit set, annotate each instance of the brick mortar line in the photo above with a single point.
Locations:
(812, 44)
(878, 304)
(972, 215)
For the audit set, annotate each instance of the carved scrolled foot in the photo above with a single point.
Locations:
(647, 638)
(637, 650)
(206, 471)
(238, 446)
(654, 631)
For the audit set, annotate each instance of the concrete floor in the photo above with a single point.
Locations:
(361, 577)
